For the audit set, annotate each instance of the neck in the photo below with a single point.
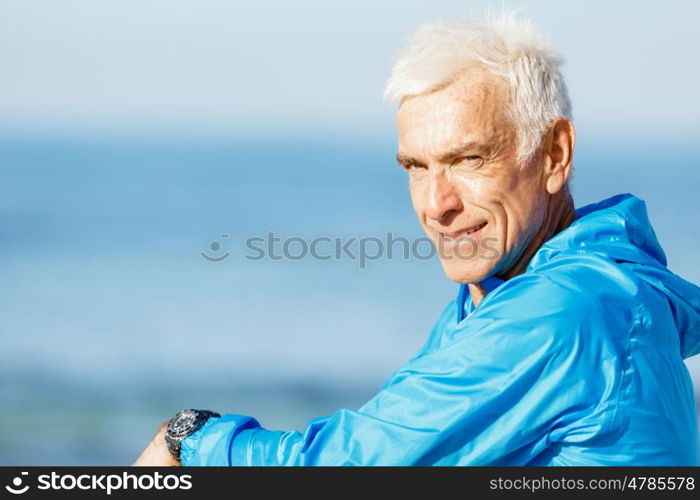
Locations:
(559, 214)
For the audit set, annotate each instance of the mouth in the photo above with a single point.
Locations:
(463, 232)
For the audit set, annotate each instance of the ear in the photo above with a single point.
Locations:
(558, 154)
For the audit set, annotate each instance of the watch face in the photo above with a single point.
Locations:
(183, 423)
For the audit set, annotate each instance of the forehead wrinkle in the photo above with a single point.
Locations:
(471, 109)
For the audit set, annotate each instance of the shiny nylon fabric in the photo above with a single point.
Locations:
(577, 361)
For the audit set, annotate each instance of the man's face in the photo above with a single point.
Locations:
(475, 202)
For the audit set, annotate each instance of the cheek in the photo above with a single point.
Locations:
(484, 196)
(509, 201)
(418, 195)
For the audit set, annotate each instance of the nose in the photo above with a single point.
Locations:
(443, 200)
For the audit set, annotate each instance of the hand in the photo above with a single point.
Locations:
(156, 453)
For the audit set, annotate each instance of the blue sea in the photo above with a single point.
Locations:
(112, 319)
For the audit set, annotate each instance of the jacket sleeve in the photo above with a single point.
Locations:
(498, 388)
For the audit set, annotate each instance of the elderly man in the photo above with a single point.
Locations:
(565, 345)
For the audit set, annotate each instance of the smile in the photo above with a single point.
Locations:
(464, 232)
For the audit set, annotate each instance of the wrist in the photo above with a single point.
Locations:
(157, 453)
(181, 425)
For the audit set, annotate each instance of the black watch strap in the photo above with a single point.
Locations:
(183, 424)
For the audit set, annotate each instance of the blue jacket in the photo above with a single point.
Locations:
(577, 361)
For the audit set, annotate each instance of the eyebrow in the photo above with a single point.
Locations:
(444, 157)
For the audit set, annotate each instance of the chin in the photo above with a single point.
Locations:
(468, 272)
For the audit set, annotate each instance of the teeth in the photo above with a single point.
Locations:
(476, 228)
(473, 230)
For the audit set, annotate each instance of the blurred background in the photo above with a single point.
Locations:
(133, 134)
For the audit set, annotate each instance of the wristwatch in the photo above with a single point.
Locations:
(183, 424)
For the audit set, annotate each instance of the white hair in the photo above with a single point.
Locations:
(509, 47)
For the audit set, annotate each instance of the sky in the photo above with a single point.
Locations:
(212, 68)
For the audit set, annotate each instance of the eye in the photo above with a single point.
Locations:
(473, 161)
(414, 167)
